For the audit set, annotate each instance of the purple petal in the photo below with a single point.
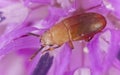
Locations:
(9, 65)
(100, 63)
(16, 17)
(113, 5)
(25, 42)
(9, 36)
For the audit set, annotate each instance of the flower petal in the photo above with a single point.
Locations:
(103, 54)
(16, 16)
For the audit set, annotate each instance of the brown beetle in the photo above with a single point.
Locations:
(79, 27)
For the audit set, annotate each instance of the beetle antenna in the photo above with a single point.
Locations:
(33, 56)
(33, 34)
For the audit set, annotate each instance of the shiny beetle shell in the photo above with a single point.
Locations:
(79, 27)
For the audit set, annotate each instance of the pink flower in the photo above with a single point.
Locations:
(18, 18)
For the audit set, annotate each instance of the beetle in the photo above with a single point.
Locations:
(79, 27)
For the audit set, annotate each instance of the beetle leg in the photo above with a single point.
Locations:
(70, 44)
(88, 39)
(29, 34)
(51, 48)
(33, 56)
(69, 35)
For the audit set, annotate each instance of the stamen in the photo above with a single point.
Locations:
(43, 65)
(36, 52)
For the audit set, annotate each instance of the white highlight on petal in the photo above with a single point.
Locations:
(104, 41)
(72, 10)
(108, 4)
(85, 49)
(85, 71)
(40, 24)
(64, 3)
(82, 71)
